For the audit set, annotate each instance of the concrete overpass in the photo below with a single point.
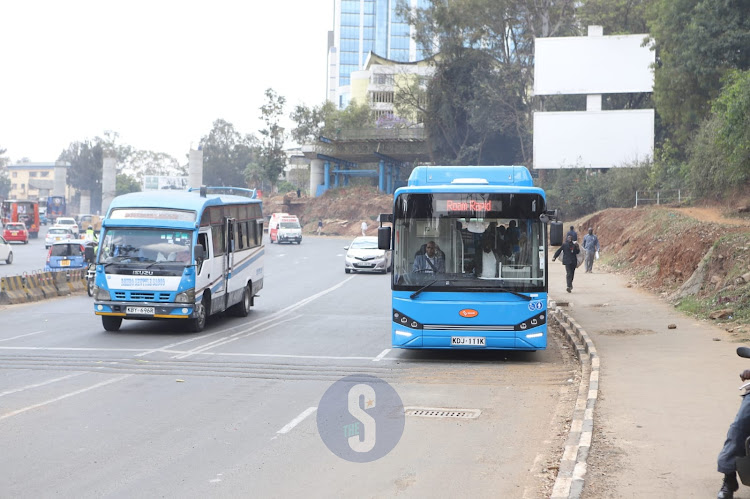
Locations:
(389, 150)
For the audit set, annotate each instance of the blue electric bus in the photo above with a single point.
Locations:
(469, 259)
(179, 255)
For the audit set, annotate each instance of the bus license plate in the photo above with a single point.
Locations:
(140, 310)
(473, 341)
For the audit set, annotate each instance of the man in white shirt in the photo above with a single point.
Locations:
(364, 228)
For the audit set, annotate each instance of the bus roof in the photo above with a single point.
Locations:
(466, 179)
(473, 175)
(174, 200)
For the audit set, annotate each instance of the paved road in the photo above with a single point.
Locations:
(27, 257)
(154, 411)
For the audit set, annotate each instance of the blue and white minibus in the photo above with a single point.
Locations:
(469, 259)
(179, 255)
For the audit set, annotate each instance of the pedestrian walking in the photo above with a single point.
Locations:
(572, 232)
(320, 226)
(591, 247)
(569, 250)
(364, 228)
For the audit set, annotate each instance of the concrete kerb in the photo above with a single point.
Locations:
(31, 285)
(571, 474)
(12, 290)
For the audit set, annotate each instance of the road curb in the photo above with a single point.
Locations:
(572, 472)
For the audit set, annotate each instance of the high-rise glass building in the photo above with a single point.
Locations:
(361, 27)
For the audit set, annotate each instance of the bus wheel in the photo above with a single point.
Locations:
(199, 322)
(111, 323)
(243, 307)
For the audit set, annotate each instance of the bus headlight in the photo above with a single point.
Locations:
(102, 294)
(185, 297)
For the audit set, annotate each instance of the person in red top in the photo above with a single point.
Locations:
(569, 250)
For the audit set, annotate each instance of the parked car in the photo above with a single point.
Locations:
(57, 233)
(16, 231)
(363, 255)
(68, 222)
(65, 255)
(6, 254)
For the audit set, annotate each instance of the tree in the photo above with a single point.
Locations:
(4, 179)
(478, 104)
(85, 172)
(271, 156)
(226, 153)
(127, 183)
(310, 121)
(697, 42)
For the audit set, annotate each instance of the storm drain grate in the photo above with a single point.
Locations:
(439, 412)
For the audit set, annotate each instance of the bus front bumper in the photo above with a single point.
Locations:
(144, 310)
(532, 339)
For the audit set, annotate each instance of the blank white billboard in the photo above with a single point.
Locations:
(593, 139)
(592, 65)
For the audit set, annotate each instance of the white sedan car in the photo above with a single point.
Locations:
(6, 254)
(56, 234)
(363, 255)
(69, 223)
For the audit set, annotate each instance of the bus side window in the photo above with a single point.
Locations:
(203, 241)
(240, 235)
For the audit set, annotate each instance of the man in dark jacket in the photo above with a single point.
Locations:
(572, 232)
(569, 251)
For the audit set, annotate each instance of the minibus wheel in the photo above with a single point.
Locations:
(111, 323)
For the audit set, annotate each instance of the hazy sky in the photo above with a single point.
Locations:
(158, 72)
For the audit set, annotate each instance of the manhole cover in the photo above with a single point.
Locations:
(440, 412)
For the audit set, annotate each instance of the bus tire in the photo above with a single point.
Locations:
(242, 308)
(111, 323)
(197, 324)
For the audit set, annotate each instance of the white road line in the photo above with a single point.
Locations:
(2, 394)
(234, 337)
(382, 354)
(74, 349)
(61, 397)
(166, 347)
(273, 317)
(21, 336)
(285, 356)
(294, 422)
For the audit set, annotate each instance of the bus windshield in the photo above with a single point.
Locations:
(146, 246)
(469, 242)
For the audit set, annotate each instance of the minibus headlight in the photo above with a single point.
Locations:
(186, 296)
(102, 294)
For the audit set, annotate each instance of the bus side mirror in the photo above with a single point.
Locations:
(555, 234)
(384, 238)
(200, 253)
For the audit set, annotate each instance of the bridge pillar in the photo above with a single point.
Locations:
(390, 179)
(346, 177)
(336, 175)
(381, 176)
(316, 175)
(327, 175)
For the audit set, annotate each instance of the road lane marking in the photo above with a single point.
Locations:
(382, 354)
(234, 337)
(21, 336)
(62, 397)
(167, 347)
(36, 385)
(74, 349)
(294, 422)
(285, 356)
(273, 317)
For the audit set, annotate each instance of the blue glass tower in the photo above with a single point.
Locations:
(361, 27)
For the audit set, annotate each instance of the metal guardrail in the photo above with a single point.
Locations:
(667, 196)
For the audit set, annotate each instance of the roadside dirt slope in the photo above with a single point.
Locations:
(342, 210)
(698, 254)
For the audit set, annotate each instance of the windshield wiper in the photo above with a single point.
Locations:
(494, 288)
(416, 293)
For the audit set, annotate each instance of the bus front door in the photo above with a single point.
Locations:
(229, 262)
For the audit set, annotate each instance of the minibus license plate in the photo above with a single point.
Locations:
(464, 341)
(140, 310)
